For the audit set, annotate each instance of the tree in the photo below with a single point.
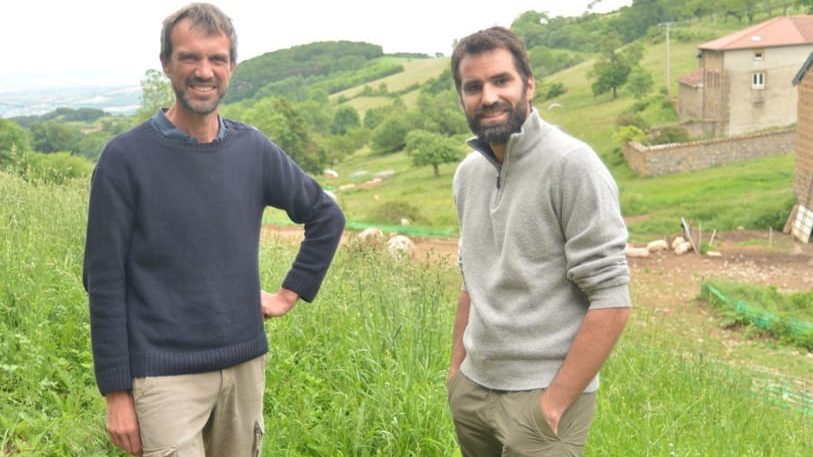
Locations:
(13, 138)
(345, 118)
(279, 119)
(610, 73)
(427, 148)
(639, 82)
(390, 136)
(612, 70)
(441, 113)
(54, 136)
(156, 93)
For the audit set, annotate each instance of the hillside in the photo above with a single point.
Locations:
(653, 206)
(307, 63)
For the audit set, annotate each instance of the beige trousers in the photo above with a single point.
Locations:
(211, 414)
(494, 423)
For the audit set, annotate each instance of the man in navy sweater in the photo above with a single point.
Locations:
(171, 258)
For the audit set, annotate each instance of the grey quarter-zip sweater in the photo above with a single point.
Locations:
(541, 242)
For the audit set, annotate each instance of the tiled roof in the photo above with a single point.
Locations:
(694, 79)
(779, 31)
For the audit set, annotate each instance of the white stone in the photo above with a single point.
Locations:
(371, 235)
(636, 252)
(657, 246)
(683, 248)
(400, 247)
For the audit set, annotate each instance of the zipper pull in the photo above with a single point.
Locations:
(498, 182)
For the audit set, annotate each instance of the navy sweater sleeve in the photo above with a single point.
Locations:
(287, 187)
(110, 225)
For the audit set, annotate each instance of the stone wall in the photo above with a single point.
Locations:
(803, 184)
(699, 155)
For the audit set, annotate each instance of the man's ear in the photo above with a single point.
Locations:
(531, 88)
(164, 64)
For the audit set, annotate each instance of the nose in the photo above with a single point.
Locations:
(490, 94)
(204, 69)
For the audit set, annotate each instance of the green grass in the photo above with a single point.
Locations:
(416, 71)
(416, 187)
(744, 194)
(358, 372)
(752, 194)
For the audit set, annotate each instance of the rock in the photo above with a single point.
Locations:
(657, 246)
(359, 174)
(386, 174)
(347, 186)
(714, 253)
(636, 252)
(677, 242)
(404, 221)
(330, 173)
(370, 236)
(683, 248)
(400, 247)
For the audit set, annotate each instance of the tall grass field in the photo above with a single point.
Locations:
(358, 372)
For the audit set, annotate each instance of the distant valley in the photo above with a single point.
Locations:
(112, 99)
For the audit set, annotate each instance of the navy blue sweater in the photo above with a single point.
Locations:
(171, 256)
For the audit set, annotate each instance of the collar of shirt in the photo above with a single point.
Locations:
(168, 129)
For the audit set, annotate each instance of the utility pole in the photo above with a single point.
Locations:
(667, 25)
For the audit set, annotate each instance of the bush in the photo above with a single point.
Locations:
(54, 168)
(625, 119)
(392, 212)
(669, 135)
(774, 219)
(555, 90)
(629, 133)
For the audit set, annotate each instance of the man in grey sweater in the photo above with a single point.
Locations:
(545, 281)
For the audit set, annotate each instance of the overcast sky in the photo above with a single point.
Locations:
(95, 42)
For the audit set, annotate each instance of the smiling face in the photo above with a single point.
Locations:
(494, 95)
(199, 68)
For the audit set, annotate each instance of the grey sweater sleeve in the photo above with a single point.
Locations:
(593, 228)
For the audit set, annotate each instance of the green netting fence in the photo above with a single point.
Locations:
(412, 230)
(801, 331)
(791, 394)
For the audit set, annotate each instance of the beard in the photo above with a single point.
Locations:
(200, 107)
(499, 133)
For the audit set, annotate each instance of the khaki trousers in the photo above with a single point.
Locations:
(493, 423)
(213, 414)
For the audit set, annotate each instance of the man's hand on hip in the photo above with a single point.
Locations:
(278, 304)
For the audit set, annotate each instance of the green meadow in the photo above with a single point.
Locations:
(358, 372)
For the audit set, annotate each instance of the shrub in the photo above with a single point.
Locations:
(629, 133)
(555, 90)
(625, 119)
(775, 218)
(54, 168)
(392, 212)
(673, 134)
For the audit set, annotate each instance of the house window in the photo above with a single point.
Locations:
(759, 54)
(758, 80)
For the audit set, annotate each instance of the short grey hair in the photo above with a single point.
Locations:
(204, 15)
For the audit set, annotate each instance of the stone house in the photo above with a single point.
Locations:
(743, 80)
(801, 220)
